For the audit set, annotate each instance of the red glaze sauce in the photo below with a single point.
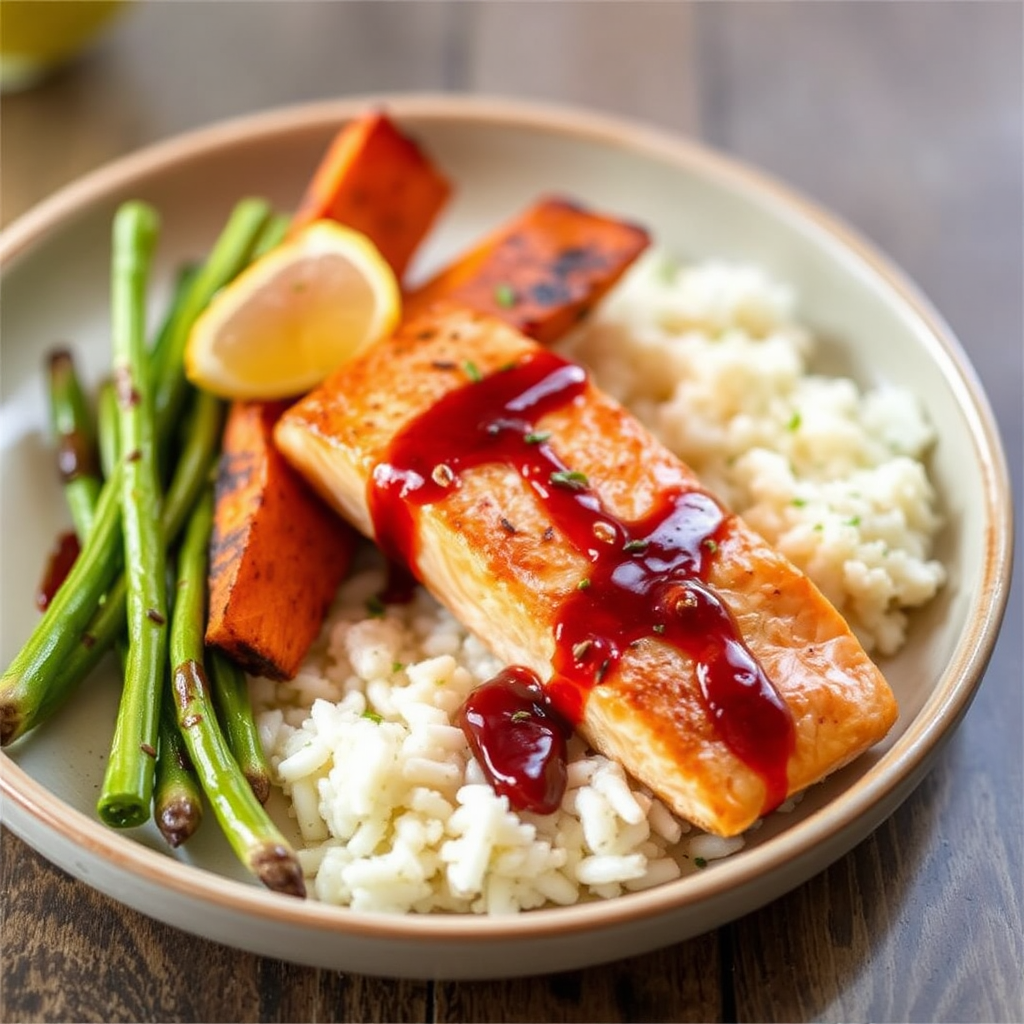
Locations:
(518, 738)
(58, 565)
(647, 578)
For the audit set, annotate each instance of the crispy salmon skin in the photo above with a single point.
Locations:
(492, 553)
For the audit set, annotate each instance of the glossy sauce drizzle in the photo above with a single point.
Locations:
(647, 578)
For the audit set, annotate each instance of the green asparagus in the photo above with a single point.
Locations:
(234, 709)
(127, 790)
(253, 836)
(73, 430)
(191, 472)
(231, 253)
(177, 800)
(35, 682)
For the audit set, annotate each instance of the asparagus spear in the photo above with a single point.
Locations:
(183, 285)
(75, 436)
(38, 664)
(231, 696)
(247, 826)
(247, 224)
(65, 628)
(106, 433)
(127, 790)
(177, 799)
(272, 235)
(191, 472)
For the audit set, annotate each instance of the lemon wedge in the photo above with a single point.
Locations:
(294, 315)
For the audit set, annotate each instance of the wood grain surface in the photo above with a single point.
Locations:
(905, 119)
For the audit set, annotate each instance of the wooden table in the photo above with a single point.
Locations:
(906, 119)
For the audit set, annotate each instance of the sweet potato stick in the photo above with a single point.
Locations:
(541, 273)
(377, 180)
(279, 553)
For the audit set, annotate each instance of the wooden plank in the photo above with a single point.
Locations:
(71, 954)
(681, 983)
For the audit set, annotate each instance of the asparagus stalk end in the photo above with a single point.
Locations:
(277, 867)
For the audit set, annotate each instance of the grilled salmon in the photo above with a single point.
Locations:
(555, 527)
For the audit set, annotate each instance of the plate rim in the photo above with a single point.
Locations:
(836, 826)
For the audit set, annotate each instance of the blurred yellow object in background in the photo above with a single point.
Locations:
(37, 36)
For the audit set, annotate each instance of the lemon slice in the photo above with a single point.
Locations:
(294, 315)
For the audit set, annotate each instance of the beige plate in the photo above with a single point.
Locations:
(501, 155)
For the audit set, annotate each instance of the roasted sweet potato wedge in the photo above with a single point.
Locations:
(378, 181)
(540, 273)
(278, 553)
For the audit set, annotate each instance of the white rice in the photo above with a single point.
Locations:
(711, 358)
(394, 812)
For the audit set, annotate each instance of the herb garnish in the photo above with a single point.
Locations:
(570, 478)
(505, 296)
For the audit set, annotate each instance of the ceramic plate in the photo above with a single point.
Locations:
(502, 156)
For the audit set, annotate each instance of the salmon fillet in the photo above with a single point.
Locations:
(510, 569)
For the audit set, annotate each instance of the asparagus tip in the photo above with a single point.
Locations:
(11, 721)
(277, 867)
(178, 820)
(60, 358)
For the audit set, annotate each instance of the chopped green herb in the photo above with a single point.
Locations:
(520, 716)
(375, 606)
(537, 436)
(569, 478)
(472, 371)
(819, 527)
(635, 545)
(397, 666)
(794, 422)
(700, 862)
(799, 502)
(853, 521)
(711, 544)
(372, 716)
(658, 627)
(584, 584)
(505, 296)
